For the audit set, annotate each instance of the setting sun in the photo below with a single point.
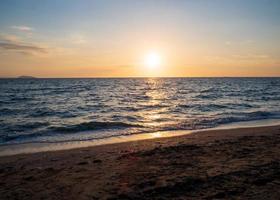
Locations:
(152, 60)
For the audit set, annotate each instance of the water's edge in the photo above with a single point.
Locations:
(68, 110)
(28, 148)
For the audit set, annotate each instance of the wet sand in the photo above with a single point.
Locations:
(218, 164)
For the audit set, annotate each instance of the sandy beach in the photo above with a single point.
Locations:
(239, 163)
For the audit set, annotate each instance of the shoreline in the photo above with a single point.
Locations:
(37, 147)
(228, 164)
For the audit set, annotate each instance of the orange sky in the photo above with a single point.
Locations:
(112, 39)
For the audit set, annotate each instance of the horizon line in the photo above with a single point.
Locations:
(120, 77)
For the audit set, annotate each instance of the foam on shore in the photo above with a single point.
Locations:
(27, 148)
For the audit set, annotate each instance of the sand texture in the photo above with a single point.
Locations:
(219, 164)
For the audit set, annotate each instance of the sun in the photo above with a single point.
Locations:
(152, 60)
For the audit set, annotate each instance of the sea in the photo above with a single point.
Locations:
(63, 110)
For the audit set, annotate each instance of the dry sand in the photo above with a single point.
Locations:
(218, 164)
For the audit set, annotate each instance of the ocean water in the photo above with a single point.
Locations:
(60, 110)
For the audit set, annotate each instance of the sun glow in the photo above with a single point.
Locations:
(152, 60)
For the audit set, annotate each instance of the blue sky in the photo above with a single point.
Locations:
(63, 15)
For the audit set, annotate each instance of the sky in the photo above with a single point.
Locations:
(114, 38)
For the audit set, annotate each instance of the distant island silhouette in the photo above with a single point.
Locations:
(26, 77)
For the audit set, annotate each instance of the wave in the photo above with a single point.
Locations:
(215, 107)
(89, 126)
(9, 111)
(100, 107)
(47, 112)
(214, 121)
(217, 120)
(202, 107)
(25, 126)
(111, 127)
(61, 130)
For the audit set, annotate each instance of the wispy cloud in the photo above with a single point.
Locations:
(23, 48)
(239, 43)
(251, 56)
(76, 39)
(9, 38)
(23, 28)
(13, 43)
(228, 43)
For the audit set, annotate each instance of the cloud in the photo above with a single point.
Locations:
(77, 39)
(23, 28)
(9, 38)
(228, 43)
(13, 43)
(240, 43)
(250, 56)
(23, 48)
